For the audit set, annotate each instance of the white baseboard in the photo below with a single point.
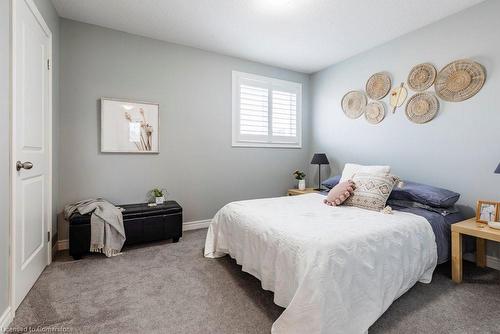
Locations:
(491, 261)
(5, 319)
(187, 226)
(196, 225)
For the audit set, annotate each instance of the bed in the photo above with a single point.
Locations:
(441, 226)
(334, 269)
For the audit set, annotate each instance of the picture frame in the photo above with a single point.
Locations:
(487, 211)
(129, 126)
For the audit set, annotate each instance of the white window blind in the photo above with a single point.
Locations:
(284, 114)
(254, 110)
(266, 111)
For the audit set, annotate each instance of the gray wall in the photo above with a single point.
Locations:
(460, 148)
(4, 152)
(196, 164)
(52, 19)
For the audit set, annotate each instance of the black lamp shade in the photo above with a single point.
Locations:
(319, 159)
(497, 171)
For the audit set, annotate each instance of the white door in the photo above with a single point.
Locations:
(31, 147)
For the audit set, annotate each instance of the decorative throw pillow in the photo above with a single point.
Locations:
(372, 190)
(338, 194)
(351, 169)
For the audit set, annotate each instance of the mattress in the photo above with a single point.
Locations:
(334, 269)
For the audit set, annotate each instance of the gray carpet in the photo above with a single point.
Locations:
(171, 288)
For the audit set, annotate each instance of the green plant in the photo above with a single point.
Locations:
(157, 192)
(299, 175)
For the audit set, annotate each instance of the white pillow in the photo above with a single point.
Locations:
(351, 169)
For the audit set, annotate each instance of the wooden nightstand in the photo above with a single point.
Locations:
(469, 227)
(295, 191)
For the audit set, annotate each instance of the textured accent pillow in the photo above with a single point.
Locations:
(338, 194)
(351, 169)
(331, 182)
(372, 190)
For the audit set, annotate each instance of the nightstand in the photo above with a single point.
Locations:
(295, 191)
(470, 227)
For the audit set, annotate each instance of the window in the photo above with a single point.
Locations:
(266, 111)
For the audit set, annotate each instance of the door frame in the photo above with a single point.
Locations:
(13, 93)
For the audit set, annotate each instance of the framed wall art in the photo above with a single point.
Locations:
(129, 126)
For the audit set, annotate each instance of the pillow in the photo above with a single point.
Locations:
(351, 169)
(331, 182)
(424, 194)
(395, 203)
(338, 194)
(372, 190)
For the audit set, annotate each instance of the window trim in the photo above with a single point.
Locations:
(270, 141)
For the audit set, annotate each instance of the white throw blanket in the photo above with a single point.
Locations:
(335, 269)
(107, 234)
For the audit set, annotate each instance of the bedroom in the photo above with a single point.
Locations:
(187, 59)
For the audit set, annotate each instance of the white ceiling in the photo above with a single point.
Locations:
(303, 35)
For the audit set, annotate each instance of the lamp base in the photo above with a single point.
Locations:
(319, 189)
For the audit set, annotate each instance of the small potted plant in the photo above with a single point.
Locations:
(300, 176)
(159, 195)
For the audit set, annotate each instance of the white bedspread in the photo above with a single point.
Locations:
(335, 269)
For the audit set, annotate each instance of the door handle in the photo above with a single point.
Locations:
(25, 165)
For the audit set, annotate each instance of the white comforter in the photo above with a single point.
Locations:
(335, 269)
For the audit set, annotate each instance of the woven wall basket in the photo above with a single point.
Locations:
(422, 107)
(354, 103)
(378, 85)
(374, 112)
(460, 80)
(421, 77)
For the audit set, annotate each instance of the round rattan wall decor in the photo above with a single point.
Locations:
(421, 77)
(460, 80)
(378, 85)
(354, 103)
(422, 108)
(374, 112)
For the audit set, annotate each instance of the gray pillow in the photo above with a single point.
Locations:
(331, 182)
(425, 194)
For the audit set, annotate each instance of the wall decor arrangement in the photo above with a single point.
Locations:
(374, 112)
(421, 77)
(460, 80)
(129, 127)
(354, 103)
(398, 97)
(378, 86)
(422, 107)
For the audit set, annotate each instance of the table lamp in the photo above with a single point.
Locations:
(319, 159)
